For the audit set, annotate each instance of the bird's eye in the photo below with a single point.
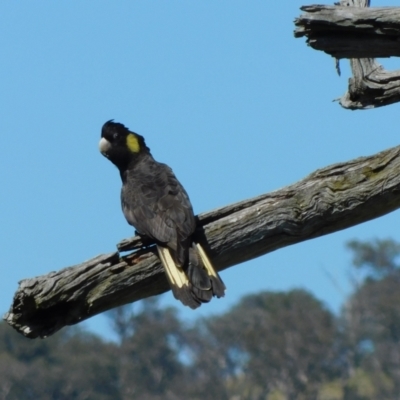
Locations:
(115, 136)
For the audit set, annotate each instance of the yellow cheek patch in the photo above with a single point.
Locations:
(133, 143)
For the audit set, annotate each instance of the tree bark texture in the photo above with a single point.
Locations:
(351, 31)
(328, 200)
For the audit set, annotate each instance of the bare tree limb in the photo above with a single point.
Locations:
(351, 31)
(328, 200)
(371, 86)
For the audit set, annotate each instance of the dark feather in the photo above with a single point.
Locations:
(196, 273)
(157, 205)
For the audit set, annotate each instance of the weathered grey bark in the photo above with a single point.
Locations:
(351, 32)
(371, 86)
(330, 199)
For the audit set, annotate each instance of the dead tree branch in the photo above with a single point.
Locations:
(371, 86)
(353, 31)
(328, 200)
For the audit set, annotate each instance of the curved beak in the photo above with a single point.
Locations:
(104, 146)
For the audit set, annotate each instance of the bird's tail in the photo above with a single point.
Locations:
(195, 284)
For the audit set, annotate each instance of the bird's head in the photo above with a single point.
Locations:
(120, 145)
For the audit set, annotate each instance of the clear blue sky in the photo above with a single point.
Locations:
(222, 92)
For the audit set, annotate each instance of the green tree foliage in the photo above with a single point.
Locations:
(270, 346)
(279, 342)
(372, 322)
(149, 357)
(378, 257)
(66, 366)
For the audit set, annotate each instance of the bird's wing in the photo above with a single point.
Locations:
(157, 205)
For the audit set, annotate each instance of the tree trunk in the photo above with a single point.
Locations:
(328, 200)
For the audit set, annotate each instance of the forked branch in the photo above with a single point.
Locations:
(355, 31)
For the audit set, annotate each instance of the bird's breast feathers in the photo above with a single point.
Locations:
(156, 204)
